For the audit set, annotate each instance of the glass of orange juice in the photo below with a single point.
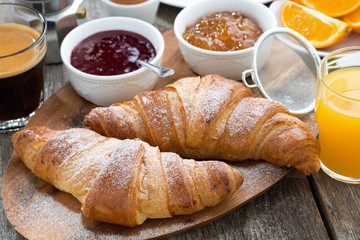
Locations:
(337, 113)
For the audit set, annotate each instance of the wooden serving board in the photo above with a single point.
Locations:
(39, 211)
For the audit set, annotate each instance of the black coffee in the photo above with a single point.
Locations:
(21, 74)
(20, 95)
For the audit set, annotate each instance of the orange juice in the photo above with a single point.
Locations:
(338, 118)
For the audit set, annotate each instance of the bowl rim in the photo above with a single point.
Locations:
(99, 78)
(129, 6)
(220, 2)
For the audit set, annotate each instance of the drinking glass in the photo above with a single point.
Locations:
(338, 114)
(22, 60)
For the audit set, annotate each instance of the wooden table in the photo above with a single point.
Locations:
(297, 207)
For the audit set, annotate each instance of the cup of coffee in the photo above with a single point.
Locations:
(22, 61)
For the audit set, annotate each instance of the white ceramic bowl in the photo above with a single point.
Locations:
(106, 90)
(145, 11)
(229, 64)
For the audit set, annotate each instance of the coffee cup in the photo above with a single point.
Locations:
(22, 62)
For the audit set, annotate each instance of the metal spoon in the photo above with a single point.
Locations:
(161, 71)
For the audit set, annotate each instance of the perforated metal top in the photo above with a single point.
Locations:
(284, 68)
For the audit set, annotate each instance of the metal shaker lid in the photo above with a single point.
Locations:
(284, 68)
(48, 6)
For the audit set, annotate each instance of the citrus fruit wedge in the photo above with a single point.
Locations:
(332, 8)
(353, 19)
(321, 30)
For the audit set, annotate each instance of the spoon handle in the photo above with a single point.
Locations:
(161, 71)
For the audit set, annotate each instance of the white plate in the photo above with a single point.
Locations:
(352, 40)
(184, 3)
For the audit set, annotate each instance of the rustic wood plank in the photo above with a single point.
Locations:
(7, 231)
(339, 204)
(286, 211)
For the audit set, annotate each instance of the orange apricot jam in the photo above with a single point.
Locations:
(223, 31)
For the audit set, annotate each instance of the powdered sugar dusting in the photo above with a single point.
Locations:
(214, 99)
(157, 113)
(172, 172)
(121, 169)
(30, 132)
(244, 118)
(258, 176)
(44, 209)
(152, 195)
(66, 143)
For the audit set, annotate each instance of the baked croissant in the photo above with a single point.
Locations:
(211, 118)
(123, 181)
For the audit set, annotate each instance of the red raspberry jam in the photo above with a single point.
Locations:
(111, 53)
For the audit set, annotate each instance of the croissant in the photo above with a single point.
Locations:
(123, 181)
(211, 118)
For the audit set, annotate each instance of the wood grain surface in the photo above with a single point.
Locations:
(30, 203)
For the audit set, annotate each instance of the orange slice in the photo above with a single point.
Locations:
(332, 8)
(298, 1)
(353, 19)
(321, 30)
